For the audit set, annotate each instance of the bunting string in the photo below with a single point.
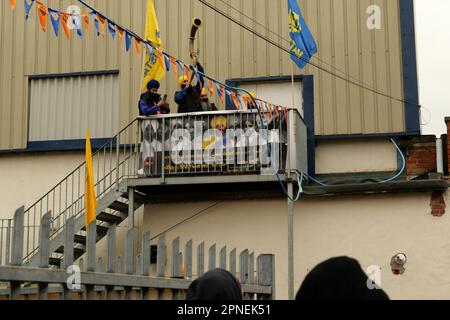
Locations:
(228, 95)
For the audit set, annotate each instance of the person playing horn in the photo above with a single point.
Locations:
(188, 98)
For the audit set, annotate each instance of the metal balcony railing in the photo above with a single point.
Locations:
(221, 143)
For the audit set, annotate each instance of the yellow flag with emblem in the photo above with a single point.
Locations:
(90, 198)
(154, 68)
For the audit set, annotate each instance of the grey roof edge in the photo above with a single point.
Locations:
(378, 188)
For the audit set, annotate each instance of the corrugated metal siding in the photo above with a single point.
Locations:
(227, 51)
(62, 108)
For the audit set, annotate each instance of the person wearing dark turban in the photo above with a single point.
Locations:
(150, 103)
(217, 284)
(340, 278)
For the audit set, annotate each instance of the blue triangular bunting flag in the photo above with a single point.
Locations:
(55, 18)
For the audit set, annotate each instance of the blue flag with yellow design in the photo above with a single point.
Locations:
(303, 46)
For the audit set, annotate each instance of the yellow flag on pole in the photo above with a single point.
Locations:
(90, 198)
(153, 67)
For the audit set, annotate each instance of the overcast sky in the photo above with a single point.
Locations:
(433, 58)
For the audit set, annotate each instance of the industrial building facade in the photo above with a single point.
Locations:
(51, 89)
(42, 74)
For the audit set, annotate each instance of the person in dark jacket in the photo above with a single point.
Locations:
(150, 103)
(188, 98)
(217, 284)
(339, 278)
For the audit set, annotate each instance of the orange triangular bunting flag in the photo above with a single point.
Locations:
(101, 21)
(187, 72)
(85, 18)
(64, 20)
(43, 15)
(173, 63)
(12, 4)
(137, 45)
(211, 88)
(119, 32)
(233, 97)
(263, 110)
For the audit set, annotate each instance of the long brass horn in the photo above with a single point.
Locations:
(196, 24)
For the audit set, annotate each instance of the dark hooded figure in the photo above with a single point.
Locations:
(339, 278)
(217, 284)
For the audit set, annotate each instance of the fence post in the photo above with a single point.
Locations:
(212, 258)
(266, 273)
(8, 243)
(111, 250)
(161, 257)
(44, 251)
(145, 268)
(176, 272)
(223, 258)
(161, 262)
(17, 249)
(111, 256)
(233, 262)
(243, 269)
(91, 246)
(188, 259)
(18, 237)
(68, 252)
(129, 257)
(200, 259)
(146, 254)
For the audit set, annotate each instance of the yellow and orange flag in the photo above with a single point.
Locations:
(90, 198)
(12, 4)
(64, 22)
(153, 65)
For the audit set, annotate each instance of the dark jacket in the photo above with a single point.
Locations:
(217, 284)
(148, 105)
(188, 99)
(338, 279)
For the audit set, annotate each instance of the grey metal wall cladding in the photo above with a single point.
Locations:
(62, 108)
(346, 46)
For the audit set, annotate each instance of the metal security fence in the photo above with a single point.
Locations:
(132, 277)
(6, 226)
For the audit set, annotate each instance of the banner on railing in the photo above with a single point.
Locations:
(235, 143)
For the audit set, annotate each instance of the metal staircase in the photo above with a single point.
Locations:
(113, 163)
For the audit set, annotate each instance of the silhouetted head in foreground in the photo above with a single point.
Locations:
(215, 285)
(338, 279)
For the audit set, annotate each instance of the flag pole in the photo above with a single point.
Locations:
(291, 196)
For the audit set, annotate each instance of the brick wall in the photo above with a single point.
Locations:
(421, 158)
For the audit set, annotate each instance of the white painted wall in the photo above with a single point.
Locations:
(369, 228)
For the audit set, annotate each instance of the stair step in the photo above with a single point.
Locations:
(138, 197)
(101, 231)
(119, 206)
(76, 250)
(110, 218)
(54, 262)
(80, 239)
